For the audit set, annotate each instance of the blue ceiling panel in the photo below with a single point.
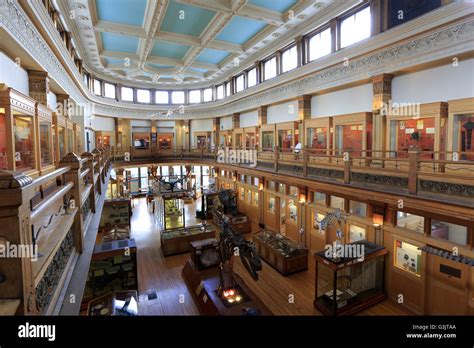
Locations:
(119, 43)
(169, 50)
(239, 30)
(115, 61)
(186, 19)
(275, 5)
(211, 56)
(122, 11)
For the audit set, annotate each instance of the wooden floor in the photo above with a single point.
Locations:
(290, 295)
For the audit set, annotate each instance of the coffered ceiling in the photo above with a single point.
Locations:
(176, 43)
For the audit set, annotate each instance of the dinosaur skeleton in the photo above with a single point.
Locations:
(232, 244)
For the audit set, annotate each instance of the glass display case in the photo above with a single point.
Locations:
(349, 283)
(283, 254)
(59, 127)
(267, 137)
(18, 152)
(238, 138)
(419, 127)
(287, 135)
(165, 141)
(353, 133)
(178, 240)
(44, 116)
(70, 136)
(170, 211)
(251, 137)
(318, 133)
(226, 138)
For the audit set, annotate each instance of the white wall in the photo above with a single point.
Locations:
(226, 123)
(140, 123)
(345, 101)
(282, 112)
(13, 75)
(249, 119)
(436, 84)
(204, 125)
(105, 124)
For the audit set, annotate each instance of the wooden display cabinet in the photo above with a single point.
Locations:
(77, 139)
(287, 135)
(69, 136)
(250, 137)
(267, 141)
(460, 135)
(116, 212)
(225, 138)
(59, 135)
(18, 133)
(202, 139)
(352, 133)
(347, 285)
(178, 241)
(113, 268)
(284, 255)
(427, 131)
(44, 124)
(238, 138)
(318, 134)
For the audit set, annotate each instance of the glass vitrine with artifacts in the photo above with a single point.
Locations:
(285, 255)
(287, 135)
(461, 129)
(77, 139)
(267, 137)
(349, 277)
(251, 137)
(225, 138)
(44, 117)
(165, 141)
(70, 136)
(59, 126)
(170, 211)
(319, 138)
(202, 139)
(18, 133)
(420, 126)
(353, 134)
(238, 138)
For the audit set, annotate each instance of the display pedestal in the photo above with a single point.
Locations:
(203, 286)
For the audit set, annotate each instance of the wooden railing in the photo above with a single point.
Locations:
(44, 222)
(414, 171)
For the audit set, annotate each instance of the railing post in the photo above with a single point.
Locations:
(75, 200)
(202, 152)
(18, 281)
(413, 157)
(305, 161)
(90, 178)
(347, 167)
(277, 157)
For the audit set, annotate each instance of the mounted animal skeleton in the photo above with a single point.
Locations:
(335, 216)
(232, 244)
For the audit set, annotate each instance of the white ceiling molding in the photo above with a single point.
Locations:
(279, 24)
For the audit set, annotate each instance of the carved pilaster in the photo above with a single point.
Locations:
(235, 120)
(262, 115)
(63, 105)
(39, 86)
(382, 93)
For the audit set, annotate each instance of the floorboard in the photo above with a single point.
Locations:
(290, 295)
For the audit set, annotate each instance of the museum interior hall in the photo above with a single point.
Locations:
(236, 158)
